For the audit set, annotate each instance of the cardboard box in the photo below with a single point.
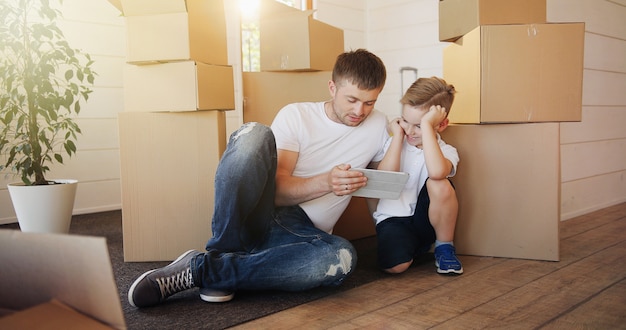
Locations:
(52, 315)
(458, 17)
(174, 30)
(356, 221)
(168, 163)
(57, 281)
(292, 40)
(178, 86)
(517, 73)
(508, 185)
(265, 93)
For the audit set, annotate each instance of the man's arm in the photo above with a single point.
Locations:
(291, 190)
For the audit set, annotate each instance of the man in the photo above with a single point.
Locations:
(279, 193)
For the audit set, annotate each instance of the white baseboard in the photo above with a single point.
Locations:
(576, 213)
(89, 210)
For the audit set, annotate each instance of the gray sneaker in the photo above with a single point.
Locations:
(214, 295)
(154, 286)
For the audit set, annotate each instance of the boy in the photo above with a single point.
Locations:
(426, 211)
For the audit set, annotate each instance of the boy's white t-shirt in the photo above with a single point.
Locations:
(412, 162)
(322, 144)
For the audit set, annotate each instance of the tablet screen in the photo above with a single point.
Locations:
(382, 184)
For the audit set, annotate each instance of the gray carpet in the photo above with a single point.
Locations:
(186, 310)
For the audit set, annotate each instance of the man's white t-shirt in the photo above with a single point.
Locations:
(322, 144)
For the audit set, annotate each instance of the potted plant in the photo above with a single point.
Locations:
(42, 84)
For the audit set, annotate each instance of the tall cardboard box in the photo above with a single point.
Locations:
(174, 30)
(458, 17)
(168, 164)
(265, 93)
(517, 73)
(508, 185)
(178, 86)
(292, 40)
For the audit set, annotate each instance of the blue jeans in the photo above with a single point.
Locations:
(256, 246)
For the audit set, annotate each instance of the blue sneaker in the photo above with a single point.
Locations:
(446, 260)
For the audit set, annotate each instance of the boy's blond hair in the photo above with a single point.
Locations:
(426, 92)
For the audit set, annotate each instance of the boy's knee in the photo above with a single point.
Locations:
(400, 268)
(440, 189)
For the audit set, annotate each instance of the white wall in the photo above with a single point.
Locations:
(95, 27)
(593, 151)
(402, 33)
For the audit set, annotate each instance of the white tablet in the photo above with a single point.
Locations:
(382, 184)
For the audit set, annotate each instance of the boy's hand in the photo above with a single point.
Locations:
(435, 115)
(394, 127)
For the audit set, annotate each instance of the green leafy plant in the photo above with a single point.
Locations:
(42, 83)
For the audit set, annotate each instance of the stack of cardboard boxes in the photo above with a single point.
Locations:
(297, 57)
(516, 77)
(177, 87)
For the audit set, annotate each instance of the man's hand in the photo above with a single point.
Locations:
(344, 181)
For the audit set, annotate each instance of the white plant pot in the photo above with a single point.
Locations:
(44, 208)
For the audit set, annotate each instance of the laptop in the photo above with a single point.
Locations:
(75, 270)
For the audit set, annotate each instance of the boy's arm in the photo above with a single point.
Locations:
(433, 122)
(391, 160)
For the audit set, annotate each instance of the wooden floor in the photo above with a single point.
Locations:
(586, 289)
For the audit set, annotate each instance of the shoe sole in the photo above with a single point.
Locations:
(217, 299)
(140, 278)
(448, 271)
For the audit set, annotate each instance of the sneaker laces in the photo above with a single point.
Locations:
(170, 285)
